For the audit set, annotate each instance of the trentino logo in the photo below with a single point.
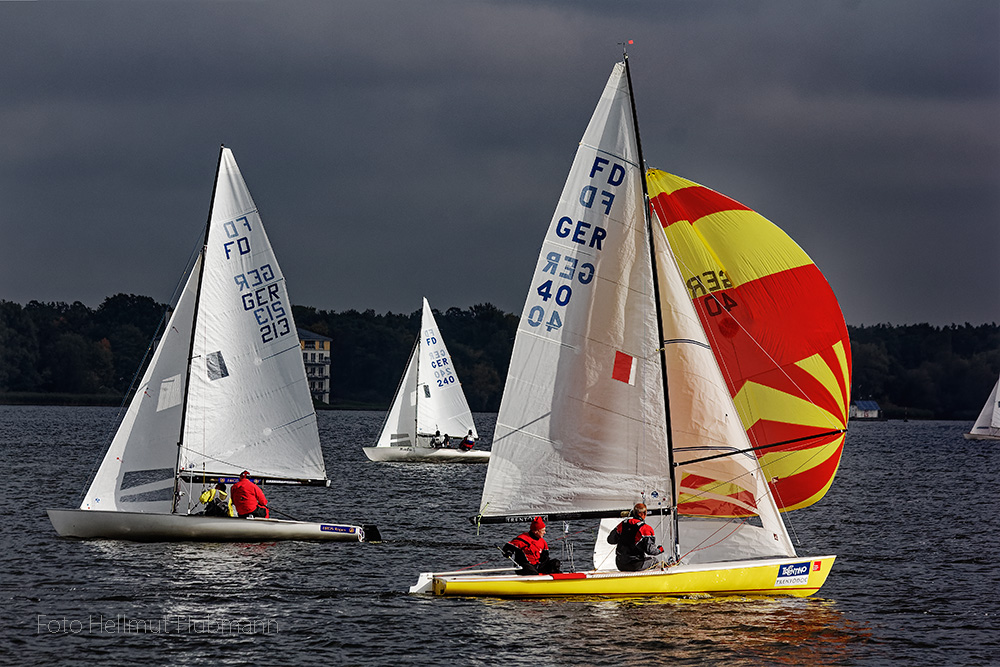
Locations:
(794, 569)
(793, 574)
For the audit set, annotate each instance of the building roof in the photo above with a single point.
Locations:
(305, 334)
(866, 405)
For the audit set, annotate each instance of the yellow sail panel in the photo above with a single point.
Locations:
(743, 229)
(775, 328)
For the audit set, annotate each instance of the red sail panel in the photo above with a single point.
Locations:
(704, 496)
(775, 327)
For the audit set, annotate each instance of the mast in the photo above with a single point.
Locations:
(194, 328)
(659, 318)
(416, 372)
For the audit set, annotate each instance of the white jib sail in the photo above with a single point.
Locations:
(988, 422)
(726, 511)
(249, 405)
(399, 428)
(137, 473)
(441, 404)
(581, 423)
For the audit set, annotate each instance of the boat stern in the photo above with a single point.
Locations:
(425, 583)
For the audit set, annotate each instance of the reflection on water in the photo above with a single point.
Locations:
(735, 630)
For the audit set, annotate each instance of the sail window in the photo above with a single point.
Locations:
(171, 393)
(137, 477)
(216, 366)
(165, 493)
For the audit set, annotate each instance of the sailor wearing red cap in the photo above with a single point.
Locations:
(530, 550)
(248, 499)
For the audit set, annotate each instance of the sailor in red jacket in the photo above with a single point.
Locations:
(636, 542)
(530, 550)
(248, 499)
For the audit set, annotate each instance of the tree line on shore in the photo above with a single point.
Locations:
(70, 353)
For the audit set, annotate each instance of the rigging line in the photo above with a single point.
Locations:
(605, 152)
(760, 447)
(217, 460)
(698, 547)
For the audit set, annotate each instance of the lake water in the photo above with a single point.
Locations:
(912, 516)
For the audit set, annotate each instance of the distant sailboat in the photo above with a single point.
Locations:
(987, 426)
(225, 391)
(636, 375)
(429, 400)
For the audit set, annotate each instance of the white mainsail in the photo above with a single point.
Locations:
(441, 405)
(430, 396)
(249, 405)
(569, 435)
(583, 425)
(987, 425)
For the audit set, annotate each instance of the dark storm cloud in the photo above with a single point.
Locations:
(402, 149)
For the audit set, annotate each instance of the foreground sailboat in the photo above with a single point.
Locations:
(225, 391)
(429, 400)
(987, 426)
(638, 374)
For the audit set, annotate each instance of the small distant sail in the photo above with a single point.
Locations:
(775, 327)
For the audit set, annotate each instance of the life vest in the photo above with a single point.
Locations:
(217, 503)
(630, 533)
(530, 547)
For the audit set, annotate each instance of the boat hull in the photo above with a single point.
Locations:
(146, 527)
(981, 436)
(797, 577)
(425, 455)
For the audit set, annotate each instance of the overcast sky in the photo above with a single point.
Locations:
(418, 148)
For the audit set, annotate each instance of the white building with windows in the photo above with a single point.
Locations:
(316, 356)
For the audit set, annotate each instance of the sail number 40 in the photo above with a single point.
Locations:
(537, 315)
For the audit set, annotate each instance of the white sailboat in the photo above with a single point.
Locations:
(225, 391)
(429, 400)
(615, 395)
(987, 426)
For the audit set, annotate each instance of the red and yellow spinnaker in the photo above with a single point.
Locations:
(775, 327)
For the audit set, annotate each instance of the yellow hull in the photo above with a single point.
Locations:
(796, 577)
